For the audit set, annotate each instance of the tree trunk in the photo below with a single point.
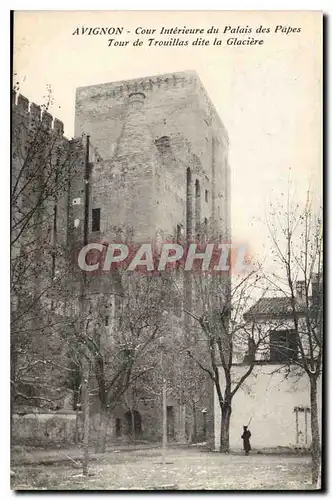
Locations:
(315, 445)
(77, 425)
(194, 416)
(12, 390)
(182, 420)
(102, 431)
(86, 415)
(225, 426)
(133, 425)
(204, 416)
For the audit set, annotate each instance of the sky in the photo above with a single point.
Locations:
(268, 96)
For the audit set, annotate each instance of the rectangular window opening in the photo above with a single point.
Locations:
(96, 219)
(283, 346)
(179, 233)
(206, 195)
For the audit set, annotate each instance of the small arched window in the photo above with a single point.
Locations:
(163, 144)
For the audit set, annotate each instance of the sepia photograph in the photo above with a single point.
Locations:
(166, 251)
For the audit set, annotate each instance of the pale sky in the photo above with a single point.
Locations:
(268, 96)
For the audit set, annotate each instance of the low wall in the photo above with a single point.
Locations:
(59, 428)
(41, 429)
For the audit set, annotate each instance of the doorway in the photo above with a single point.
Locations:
(170, 423)
(133, 424)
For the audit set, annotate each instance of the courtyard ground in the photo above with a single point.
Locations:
(144, 469)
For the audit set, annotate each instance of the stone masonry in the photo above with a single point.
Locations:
(158, 171)
(163, 172)
(149, 131)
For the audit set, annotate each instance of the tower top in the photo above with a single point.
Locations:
(135, 85)
(165, 86)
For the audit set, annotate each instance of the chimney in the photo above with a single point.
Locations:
(135, 138)
(300, 291)
(316, 286)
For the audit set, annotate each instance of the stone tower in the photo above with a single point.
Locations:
(162, 175)
(164, 169)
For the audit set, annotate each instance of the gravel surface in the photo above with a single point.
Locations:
(181, 469)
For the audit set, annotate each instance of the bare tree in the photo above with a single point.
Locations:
(221, 336)
(187, 383)
(297, 244)
(121, 350)
(43, 163)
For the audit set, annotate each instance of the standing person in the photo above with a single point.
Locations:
(246, 439)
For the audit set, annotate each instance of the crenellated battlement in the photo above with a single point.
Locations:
(31, 114)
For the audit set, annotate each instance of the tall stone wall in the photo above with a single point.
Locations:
(44, 162)
(165, 166)
(53, 162)
(148, 132)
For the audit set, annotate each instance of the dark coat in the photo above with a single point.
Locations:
(246, 440)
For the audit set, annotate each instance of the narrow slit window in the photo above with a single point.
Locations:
(205, 227)
(206, 195)
(179, 233)
(96, 219)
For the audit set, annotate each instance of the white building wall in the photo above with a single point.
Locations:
(269, 398)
